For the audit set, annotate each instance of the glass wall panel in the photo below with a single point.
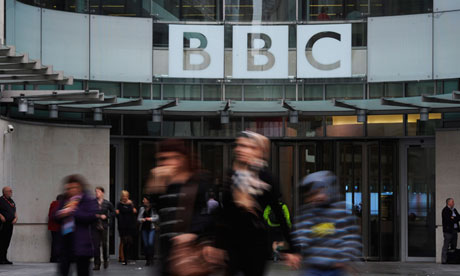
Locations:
(290, 92)
(263, 92)
(212, 93)
(421, 202)
(145, 91)
(131, 90)
(182, 91)
(181, 128)
(186, 10)
(140, 125)
(213, 127)
(77, 85)
(108, 88)
(160, 35)
(156, 91)
(359, 34)
(419, 88)
(311, 126)
(344, 126)
(313, 92)
(385, 125)
(327, 10)
(415, 127)
(451, 85)
(387, 90)
(344, 91)
(268, 126)
(234, 92)
(398, 7)
(260, 10)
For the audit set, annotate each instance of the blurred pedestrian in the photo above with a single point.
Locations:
(275, 232)
(76, 214)
(8, 218)
(126, 215)
(147, 218)
(104, 215)
(213, 204)
(182, 205)
(54, 228)
(325, 230)
(248, 189)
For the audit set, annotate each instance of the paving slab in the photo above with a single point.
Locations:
(275, 269)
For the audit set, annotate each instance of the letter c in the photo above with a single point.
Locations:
(318, 65)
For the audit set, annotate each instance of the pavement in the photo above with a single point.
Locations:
(275, 269)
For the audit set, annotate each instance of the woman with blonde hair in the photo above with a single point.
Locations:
(126, 215)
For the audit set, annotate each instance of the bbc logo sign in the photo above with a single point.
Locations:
(260, 52)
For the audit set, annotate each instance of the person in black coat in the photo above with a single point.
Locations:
(450, 227)
(248, 189)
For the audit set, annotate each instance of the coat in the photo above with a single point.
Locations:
(85, 217)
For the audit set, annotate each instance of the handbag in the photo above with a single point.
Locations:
(187, 258)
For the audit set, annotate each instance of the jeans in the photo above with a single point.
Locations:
(6, 231)
(320, 272)
(450, 239)
(148, 237)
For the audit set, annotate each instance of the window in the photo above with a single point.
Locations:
(131, 90)
(398, 7)
(419, 88)
(385, 90)
(182, 91)
(260, 10)
(108, 88)
(263, 92)
(233, 92)
(212, 93)
(313, 92)
(344, 91)
(344, 126)
(385, 125)
(329, 10)
(310, 126)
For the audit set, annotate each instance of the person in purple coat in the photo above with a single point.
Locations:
(76, 214)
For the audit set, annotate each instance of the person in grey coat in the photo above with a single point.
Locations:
(148, 217)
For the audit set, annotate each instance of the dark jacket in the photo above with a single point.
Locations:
(243, 232)
(107, 209)
(448, 221)
(84, 216)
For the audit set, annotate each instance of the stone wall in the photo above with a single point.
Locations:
(35, 158)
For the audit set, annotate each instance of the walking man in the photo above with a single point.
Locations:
(450, 218)
(104, 214)
(8, 218)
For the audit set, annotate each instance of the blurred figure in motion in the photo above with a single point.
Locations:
(185, 223)
(325, 231)
(147, 218)
(126, 215)
(76, 214)
(276, 234)
(54, 228)
(248, 189)
(105, 214)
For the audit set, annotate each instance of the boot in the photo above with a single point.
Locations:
(97, 267)
(106, 264)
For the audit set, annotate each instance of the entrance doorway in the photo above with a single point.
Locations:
(418, 204)
(367, 176)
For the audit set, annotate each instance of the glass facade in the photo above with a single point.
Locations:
(241, 10)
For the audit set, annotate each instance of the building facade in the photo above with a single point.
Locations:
(363, 88)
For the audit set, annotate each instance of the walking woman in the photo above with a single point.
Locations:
(76, 214)
(248, 189)
(147, 218)
(126, 215)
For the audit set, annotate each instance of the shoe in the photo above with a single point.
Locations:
(125, 263)
(6, 262)
(147, 263)
(97, 267)
(106, 264)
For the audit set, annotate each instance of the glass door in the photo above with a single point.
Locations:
(419, 203)
(367, 175)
